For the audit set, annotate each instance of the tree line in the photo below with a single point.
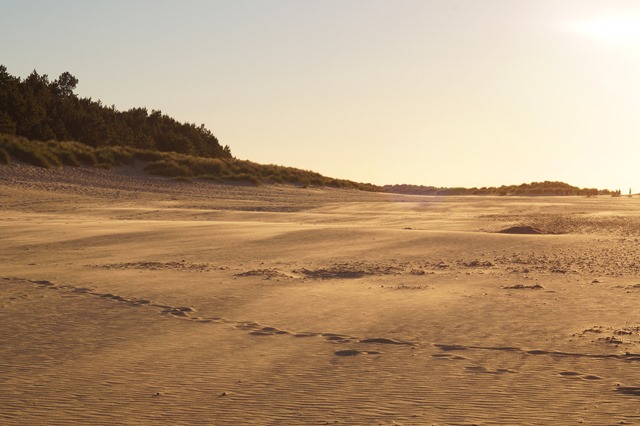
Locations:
(533, 188)
(40, 109)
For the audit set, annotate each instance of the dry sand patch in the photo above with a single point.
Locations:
(128, 299)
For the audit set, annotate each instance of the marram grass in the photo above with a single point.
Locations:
(169, 164)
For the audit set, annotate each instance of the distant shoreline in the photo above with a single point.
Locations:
(540, 189)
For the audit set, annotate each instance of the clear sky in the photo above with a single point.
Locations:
(430, 92)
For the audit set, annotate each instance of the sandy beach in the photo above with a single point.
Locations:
(130, 299)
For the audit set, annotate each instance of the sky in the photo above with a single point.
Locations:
(428, 92)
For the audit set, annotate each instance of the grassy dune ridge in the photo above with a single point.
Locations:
(183, 166)
(169, 164)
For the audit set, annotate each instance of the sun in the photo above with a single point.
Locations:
(611, 28)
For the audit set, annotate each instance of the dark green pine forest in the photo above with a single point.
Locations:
(42, 109)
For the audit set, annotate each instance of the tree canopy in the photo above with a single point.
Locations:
(533, 188)
(40, 109)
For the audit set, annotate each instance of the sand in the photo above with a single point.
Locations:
(129, 299)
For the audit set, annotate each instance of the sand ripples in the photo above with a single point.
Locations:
(131, 362)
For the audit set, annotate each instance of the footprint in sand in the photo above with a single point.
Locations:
(484, 370)
(268, 331)
(305, 334)
(575, 375)
(257, 329)
(448, 356)
(628, 390)
(448, 348)
(254, 328)
(42, 282)
(355, 352)
(338, 338)
(182, 311)
(385, 341)
(247, 325)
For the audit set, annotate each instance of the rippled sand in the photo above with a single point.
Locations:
(127, 299)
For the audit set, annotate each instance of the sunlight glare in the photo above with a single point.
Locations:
(613, 28)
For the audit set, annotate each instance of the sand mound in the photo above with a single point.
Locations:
(521, 230)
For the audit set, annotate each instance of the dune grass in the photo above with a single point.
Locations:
(5, 158)
(38, 153)
(170, 164)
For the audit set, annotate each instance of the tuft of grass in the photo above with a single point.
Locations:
(67, 158)
(169, 168)
(114, 155)
(32, 152)
(276, 179)
(5, 158)
(83, 153)
(147, 155)
(243, 177)
(105, 156)
(121, 155)
(203, 166)
(39, 158)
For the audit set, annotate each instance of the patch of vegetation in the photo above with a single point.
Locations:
(46, 124)
(545, 188)
(168, 164)
(4, 156)
(168, 167)
(40, 109)
(36, 153)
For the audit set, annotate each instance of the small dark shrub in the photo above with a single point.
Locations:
(105, 156)
(122, 155)
(244, 177)
(316, 181)
(84, 154)
(148, 155)
(32, 152)
(87, 158)
(276, 179)
(4, 156)
(68, 158)
(304, 181)
(35, 158)
(207, 166)
(167, 168)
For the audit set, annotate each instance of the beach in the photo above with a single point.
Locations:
(131, 299)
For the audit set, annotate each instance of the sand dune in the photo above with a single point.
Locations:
(129, 299)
